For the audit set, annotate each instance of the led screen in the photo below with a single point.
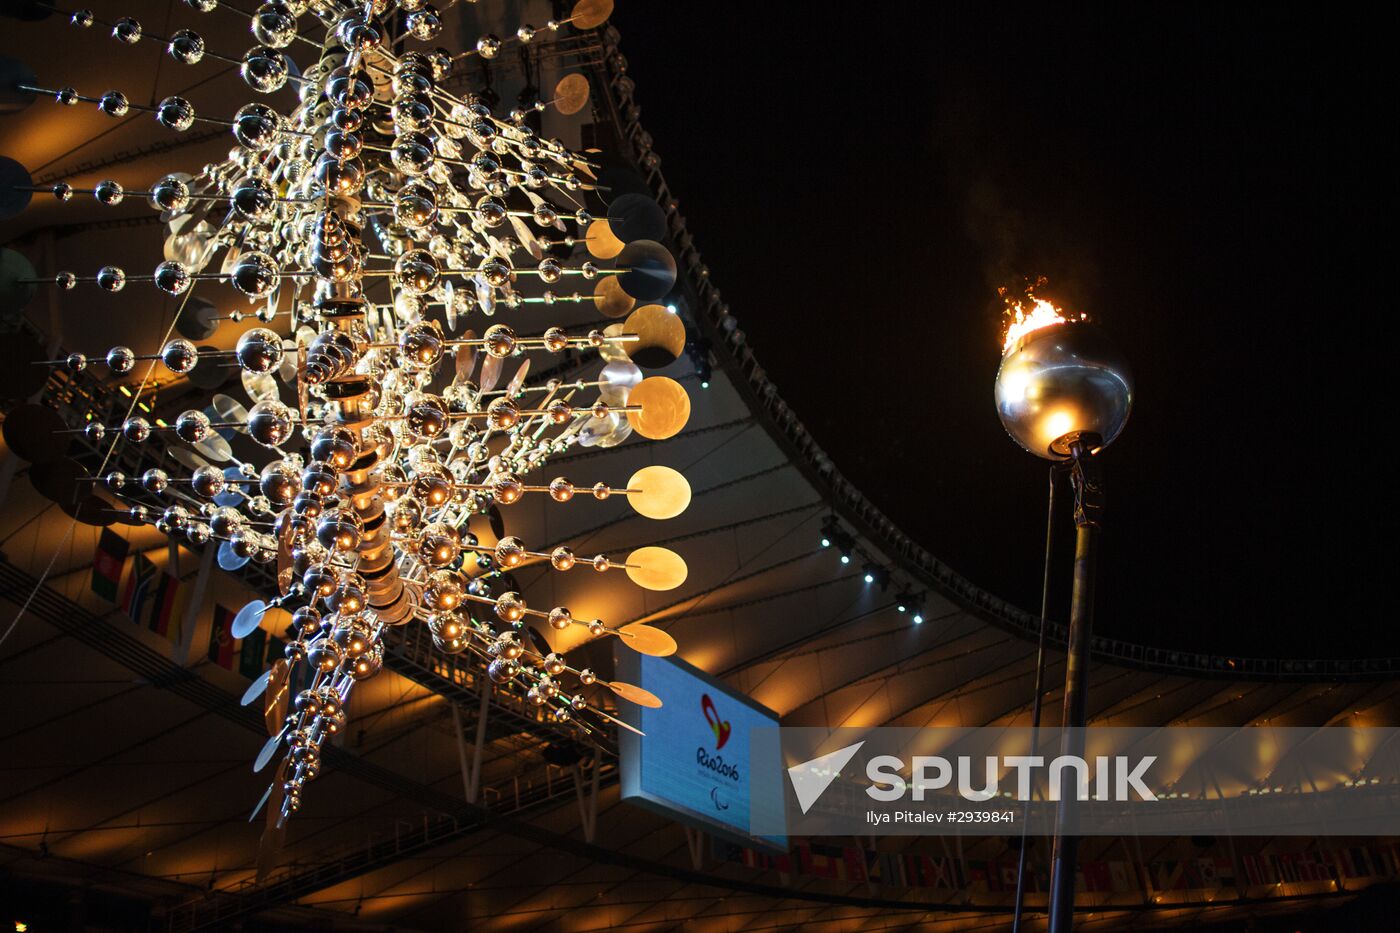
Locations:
(693, 762)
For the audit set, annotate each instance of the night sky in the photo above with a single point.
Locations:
(1214, 185)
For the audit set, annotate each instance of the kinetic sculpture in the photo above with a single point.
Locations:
(381, 419)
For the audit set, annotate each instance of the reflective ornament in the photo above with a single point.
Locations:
(259, 350)
(186, 46)
(270, 423)
(257, 127)
(175, 113)
(264, 69)
(179, 356)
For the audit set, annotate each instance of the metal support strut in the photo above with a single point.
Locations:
(1088, 515)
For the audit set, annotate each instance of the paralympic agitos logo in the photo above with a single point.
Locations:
(721, 729)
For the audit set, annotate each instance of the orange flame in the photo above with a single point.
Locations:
(1031, 314)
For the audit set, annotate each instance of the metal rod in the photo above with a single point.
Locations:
(1088, 508)
(1038, 702)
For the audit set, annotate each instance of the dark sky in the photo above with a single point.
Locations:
(1216, 186)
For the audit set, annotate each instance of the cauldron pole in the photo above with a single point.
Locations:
(1088, 511)
(1063, 392)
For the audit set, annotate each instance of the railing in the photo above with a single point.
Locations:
(305, 876)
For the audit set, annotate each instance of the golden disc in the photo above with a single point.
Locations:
(571, 93)
(633, 693)
(285, 573)
(602, 244)
(277, 696)
(662, 492)
(590, 14)
(275, 620)
(608, 295)
(665, 408)
(656, 568)
(660, 336)
(645, 639)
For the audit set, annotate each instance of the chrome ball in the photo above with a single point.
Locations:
(254, 198)
(1061, 381)
(208, 481)
(270, 423)
(175, 113)
(193, 426)
(264, 69)
(186, 47)
(259, 350)
(179, 356)
(255, 274)
(171, 193)
(275, 25)
(257, 127)
(121, 360)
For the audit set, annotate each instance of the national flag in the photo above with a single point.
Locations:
(138, 588)
(107, 564)
(251, 653)
(222, 644)
(167, 611)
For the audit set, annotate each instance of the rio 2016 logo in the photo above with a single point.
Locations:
(720, 727)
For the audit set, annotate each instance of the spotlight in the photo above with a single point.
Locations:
(830, 530)
(671, 308)
(845, 557)
(903, 600)
(913, 603)
(874, 573)
(699, 353)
